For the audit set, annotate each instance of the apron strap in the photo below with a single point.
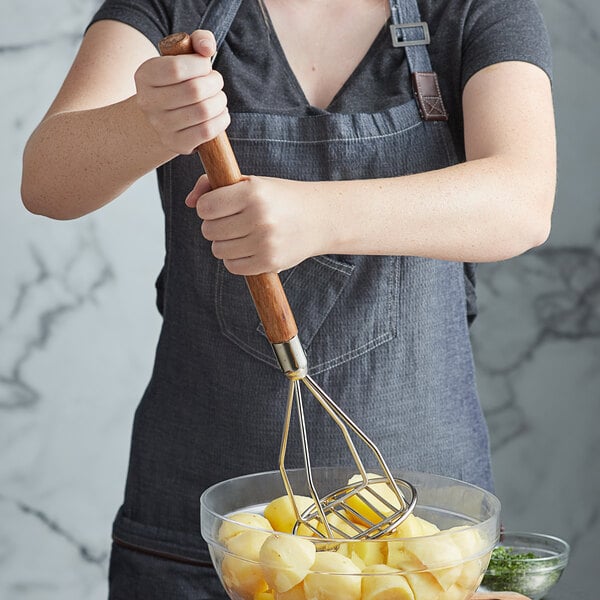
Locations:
(411, 33)
(408, 32)
(218, 18)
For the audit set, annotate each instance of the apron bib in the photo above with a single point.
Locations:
(386, 336)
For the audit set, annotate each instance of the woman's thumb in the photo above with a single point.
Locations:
(204, 43)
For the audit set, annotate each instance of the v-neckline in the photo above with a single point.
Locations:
(293, 79)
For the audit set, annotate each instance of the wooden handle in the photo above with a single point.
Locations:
(222, 169)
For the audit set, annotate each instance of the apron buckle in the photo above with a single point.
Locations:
(398, 41)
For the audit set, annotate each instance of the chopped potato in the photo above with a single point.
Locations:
(280, 513)
(432, 552)
(285, 560)
(278, 566)
(424, 586)
(241, 569)
(363, 509)
(335, 577)
(296, 593)
(470, 544)
(243, 521)
(365, 553)
(340, 528)
(386, 584)
(399, 557)
(414, 526)
(456, 592)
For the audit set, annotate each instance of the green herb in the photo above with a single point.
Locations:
(512, 571)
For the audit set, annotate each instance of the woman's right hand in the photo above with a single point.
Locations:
(182, 97)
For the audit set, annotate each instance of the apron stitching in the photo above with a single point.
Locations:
(326, 141)
(355, 353)
(250, 349)
(328, 262)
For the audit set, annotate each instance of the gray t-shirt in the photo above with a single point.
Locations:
(466, 36)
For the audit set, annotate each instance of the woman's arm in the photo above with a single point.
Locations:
(496, 205)
(120, 113)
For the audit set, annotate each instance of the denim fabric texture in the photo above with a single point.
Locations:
(387, 337)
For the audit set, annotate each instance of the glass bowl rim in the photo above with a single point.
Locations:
(492, 498)
(530, 538)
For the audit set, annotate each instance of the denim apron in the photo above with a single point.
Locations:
(386, 336)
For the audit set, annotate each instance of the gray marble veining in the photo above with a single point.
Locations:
(40, 304)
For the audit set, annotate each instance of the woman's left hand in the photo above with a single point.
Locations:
(261, 224)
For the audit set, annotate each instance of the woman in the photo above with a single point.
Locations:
(388, 147)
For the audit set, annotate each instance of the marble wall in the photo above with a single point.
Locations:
(78, 330)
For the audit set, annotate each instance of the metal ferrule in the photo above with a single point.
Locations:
(291, 358)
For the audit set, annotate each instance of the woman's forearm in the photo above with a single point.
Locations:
(78, 161)
(482, 210)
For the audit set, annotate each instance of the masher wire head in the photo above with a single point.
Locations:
(331, 515)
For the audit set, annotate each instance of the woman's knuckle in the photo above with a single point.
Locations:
(210, 129)
(187, 148)
(206, 229)
(195, 89)
(200, 112)
(270, 264)
(233, 267)
(176, 70)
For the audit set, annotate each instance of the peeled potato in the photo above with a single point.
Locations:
(339, 527)
(363, 509)
(296, 593)
(385, 585)
(399, 557)
(470, 544)
(468, 540)
(241, 570)
(432, 552)
(280, 513)
(456, 592)
(336, 577)
(414, 526)
(424, 586)
(243, 521)
(363, 554)
(285, 560)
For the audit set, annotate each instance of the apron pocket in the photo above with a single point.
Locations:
(342, 309)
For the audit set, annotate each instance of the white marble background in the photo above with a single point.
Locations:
(78, 330)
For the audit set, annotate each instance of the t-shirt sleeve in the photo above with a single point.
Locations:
(150, 17)
(504, 30)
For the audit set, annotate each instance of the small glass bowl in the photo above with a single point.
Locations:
(531, 576)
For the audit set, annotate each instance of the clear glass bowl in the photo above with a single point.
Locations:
(445, 565)
(532, 575)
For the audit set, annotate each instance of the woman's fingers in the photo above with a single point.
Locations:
(186, 141)
(222, 202)
(201, 187)
(182, 96)
(186, 93)
(163, 71)
(227, 228)
(204, 42)
(179, 119)
(260, 224)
